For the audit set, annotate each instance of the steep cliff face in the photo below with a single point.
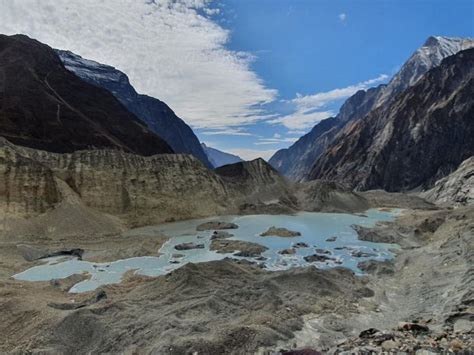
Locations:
(44, 106)
(456, 189)
(27, 188)
(139, 190)
(155, 113)
(296, 162)
(425, 133)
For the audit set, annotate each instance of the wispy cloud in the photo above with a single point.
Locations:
(342, 17)
(298, 132)
(311, 109)
(265, 141)
(311, 102)
(227, 132)
(174, 50)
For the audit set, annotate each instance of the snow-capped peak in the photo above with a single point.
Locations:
(430, 55)
(90, 69)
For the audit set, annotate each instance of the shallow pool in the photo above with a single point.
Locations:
(315, 229)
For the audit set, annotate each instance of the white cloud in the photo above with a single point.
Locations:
(301, 120)
(342, 17)
(296, 131)
(170, 49)
(264, 141)
(309, 109)
(227, 132)
(311, 102)
(250, 154)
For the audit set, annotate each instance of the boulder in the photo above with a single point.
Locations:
(280, 232)
(216, 225)
(188, 246)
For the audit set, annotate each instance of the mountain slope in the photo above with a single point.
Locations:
(430, 55)
(297, 161)
(43, 105)
(455, 189)
(155, 113)
(219, 158)
(425, 133)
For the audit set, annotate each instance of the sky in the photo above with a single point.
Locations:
(249, 76)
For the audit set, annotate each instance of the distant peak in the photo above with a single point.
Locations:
(434, 41)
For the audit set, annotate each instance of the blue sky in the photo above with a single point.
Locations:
(250, 76)
(305, 46)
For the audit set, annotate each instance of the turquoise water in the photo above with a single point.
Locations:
(315, 228)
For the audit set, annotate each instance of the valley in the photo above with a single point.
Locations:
(121, 232)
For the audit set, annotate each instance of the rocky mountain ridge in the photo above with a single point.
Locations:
(422, 136)
(296, 161)
(156, 114)
(44, 106)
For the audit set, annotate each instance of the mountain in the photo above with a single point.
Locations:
(45, 106)
(296, 161)
(456, 189)
(155, 113)
(430, 55)
(219, 158)
(421, 136)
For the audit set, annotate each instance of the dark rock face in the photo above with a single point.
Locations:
(294, 161)
(44, 106)
(155, 113)
(421, 136)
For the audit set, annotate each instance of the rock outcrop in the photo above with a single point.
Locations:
(44, 106)
(156, 114)
(456, 189)
(327, 196)
(422, 135)
(256, 180)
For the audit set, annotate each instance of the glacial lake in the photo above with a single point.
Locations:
(315, 229)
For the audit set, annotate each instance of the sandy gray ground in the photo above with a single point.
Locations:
(231, 307)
